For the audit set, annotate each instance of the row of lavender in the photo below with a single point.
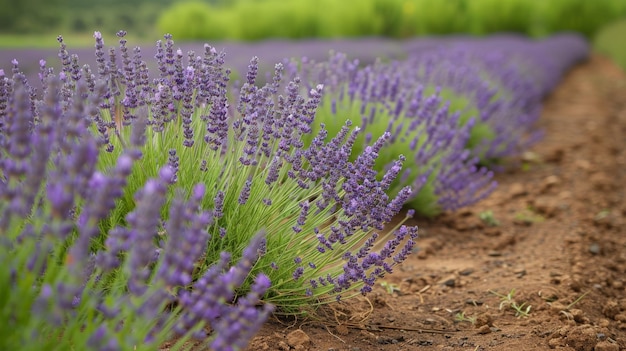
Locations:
(449, 110)
(140, 205)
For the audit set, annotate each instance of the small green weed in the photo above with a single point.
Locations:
(528, 216)
(390, 287)
(461, 317)
(488, 218)
(602, 214)
(576, 301)
(508, 301)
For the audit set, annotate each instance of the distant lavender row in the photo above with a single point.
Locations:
(505, 80)
(476, 95)
(239, 54)
(367, 50)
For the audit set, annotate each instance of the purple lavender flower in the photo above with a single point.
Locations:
(245, 192)
(244, 320)
(187, 237)
(145, 221)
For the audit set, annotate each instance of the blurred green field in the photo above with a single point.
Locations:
(295, 19)
(610, 42)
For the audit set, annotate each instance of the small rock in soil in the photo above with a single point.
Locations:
(468, 223)
(606, 346)
(620, 317)
(466, 272)
(390, 340)
(565, 195)
(579, 316)
(507, 240)
(484, 319)
(283, 346)
(485, 329)
(492, 231)
(583, 338)
(341, 329)
(547, 205)
(583, 164)
(549, 183)
(520, 272)
(448, 281)
(557, 307)
(531, 157)
(607, 219)
(594, 248)
(555, 155)
(517, 189)
(604, 323)
(601, 181)
(298, 337)
(422, 342)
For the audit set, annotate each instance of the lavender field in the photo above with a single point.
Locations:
(154, 195)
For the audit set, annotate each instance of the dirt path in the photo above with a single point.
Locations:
(559, 245)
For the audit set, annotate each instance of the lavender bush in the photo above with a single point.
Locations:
(317, 207)
(422, 124)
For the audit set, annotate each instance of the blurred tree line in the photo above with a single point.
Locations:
(29, 15)
(261, 19)
(40, 16)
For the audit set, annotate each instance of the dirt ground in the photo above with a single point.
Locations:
(552, 238)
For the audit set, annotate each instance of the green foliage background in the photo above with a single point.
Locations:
(610, 42)
(260, 19)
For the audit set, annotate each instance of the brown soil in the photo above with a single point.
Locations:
(559, 248)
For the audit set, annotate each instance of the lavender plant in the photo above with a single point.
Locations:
(384, 98)
(501, 121)
(325, 216)
(61, 290)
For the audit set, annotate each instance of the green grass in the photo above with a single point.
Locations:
(610, 42)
